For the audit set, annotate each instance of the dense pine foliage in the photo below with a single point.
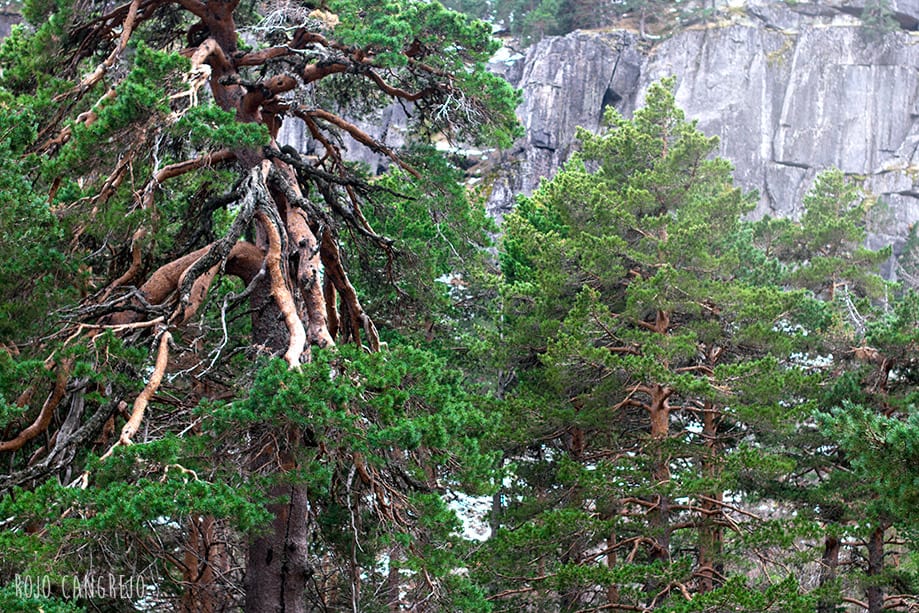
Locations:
(691, 426)
(233, 377)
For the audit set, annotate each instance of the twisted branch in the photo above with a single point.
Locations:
(143, 399)
(47, 410)
(281, 294)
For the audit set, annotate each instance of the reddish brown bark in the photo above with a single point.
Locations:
(244, 261)
(361, 137)
(828, 565)
(143, 399)
(43, 420)
(711, 537)
(659, 413)
(281, 293)
(205, 560)
(127, 28)
(875, 591)
(309, 279)
(352, 319)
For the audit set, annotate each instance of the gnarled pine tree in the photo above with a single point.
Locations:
(152, 206)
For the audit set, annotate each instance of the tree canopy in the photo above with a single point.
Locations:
(685, 411)
(192, 389)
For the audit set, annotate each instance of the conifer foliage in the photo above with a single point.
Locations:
(192, 392)
(230, 380)
(667, 437)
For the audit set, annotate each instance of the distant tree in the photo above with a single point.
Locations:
(825, 252)
(874, 425)
(878, 19)
(866, 393)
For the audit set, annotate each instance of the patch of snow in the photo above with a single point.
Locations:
(473, 511)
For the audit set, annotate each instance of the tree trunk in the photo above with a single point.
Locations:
(828, 566)
(394, 583)
(278, 567)
(711, 567)
(612, 591)
(875, 591)
(205, 553)
(284, 247)
(659, 410)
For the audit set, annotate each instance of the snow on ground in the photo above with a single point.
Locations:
(473, 511)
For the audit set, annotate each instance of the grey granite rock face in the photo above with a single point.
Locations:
(788, 93)
(787, 104)
(732, 81)
(387, 126)
(8, 18)
(907, 11)
(567, 82)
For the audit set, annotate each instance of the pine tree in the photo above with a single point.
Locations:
(651, 338)
(857, 360)
(194, 389)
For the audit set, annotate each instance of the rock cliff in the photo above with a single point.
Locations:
(790, 89)
(789, 102)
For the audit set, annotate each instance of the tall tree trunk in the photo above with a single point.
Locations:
(711, 567)
(828, 565)
(659, 410)
(278, 567)
(394, 583)
(612, 591)
(205, 560)
(875, 591)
